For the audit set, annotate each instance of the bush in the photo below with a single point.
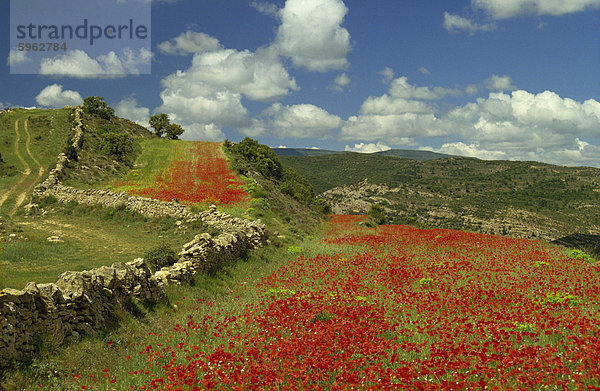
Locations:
(263, 157)
(116, 144)
(160, 256)
(95, 105)
(377, 214)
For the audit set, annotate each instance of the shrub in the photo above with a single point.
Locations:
(116, 144)
(96, 105)
(263, 157)
(160, 256)
(377, 214)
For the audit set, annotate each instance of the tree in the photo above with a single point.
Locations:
(173, 131)
(96, 105)
(159, 122)
(117, 144)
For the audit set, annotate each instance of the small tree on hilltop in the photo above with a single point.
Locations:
(159, 123)
(173, 131)
(96, 105)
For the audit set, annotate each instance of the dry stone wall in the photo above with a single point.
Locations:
(85, 302)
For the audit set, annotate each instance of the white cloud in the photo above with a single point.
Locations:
(424, 71)
(400, 88)
(16, 57)
(398, 117)
(54, 96)
(311, 34)
(499, 83)
(189, 42)
(368, 148)
(128, 108)
(472, 89)
(78, 64)
(456, 24)
(529, 126)
(282, 146)
(208, 95)
(472, 150)
(340, 82)
(300, 121)
(504, 9)
(388, 74)
(265, 7)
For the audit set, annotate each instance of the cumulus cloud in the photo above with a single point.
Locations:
(399, 116)
(529, 126)
(499, 83)
(300, 121)
(311, 34)
(189, 42)
(54, 96)
(265, 7)
(340, 82)
(472, 89)
(128, 108)
(368, 148)
(208, 95)
(400, 88)
(387, 73)
(78, 64)
(16, 57)
(504, 9)
(457, 24)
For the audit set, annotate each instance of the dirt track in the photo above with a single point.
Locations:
(20, 192)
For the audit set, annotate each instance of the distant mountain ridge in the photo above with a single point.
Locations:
(421, 156)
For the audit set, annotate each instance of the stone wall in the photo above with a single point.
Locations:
(85, 302)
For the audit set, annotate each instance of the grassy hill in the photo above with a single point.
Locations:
(195, 173)
(526, 199)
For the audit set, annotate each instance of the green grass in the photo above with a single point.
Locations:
(116, 351)
(87, 241)
(49, 131)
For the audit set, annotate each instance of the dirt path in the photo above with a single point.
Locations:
(27, 169)
(21, 197)
(26, 174)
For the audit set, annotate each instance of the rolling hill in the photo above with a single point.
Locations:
(522, 199)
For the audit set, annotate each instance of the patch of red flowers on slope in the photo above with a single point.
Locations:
(204, 179)
(409, 309)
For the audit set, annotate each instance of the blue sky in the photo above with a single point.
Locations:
(494, 79)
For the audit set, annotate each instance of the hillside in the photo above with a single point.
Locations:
(403, 153)
(41, 238)
(522, 199)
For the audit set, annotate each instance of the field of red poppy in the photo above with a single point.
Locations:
(191, 172)
(388, 308)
